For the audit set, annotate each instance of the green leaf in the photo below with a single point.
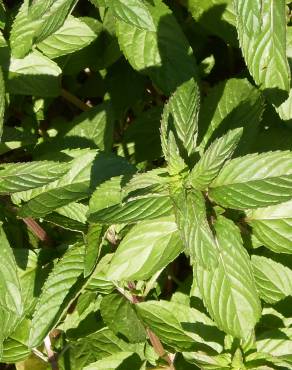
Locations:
(273, 280)
(83, 319)
(195, 231)
(229, 290)
(175, 162)
(231, 104)
(22, 31)
(180, 116)
(72, 36)
(106, 195)
(120, 316)
(146, 249)
(93, 246)
(31, 274)
(34, 75)
(144, 134)
(98, 281)
(74, 185)
(273, 226)
(144, 208)
(71, 217)
(74, 211)
(14, 138)
(276, 342)
(16, 177)
(11, 305)
(37, 21)
(163, 54)
(2, 102)
(180, 326)
(60, 288)
(94, 127)
(203, 360)
(133, 12)
(15, 347)
(114, 362)
(88, 170)
(211, 162)
(3, 15)
(255, 180)
(100, 345)
(261, 27)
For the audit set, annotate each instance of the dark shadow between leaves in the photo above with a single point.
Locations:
(132, 362)
(207, 332)
(213, 22)
(177, 65)
(276, 95)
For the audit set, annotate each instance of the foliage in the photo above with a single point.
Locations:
(146, 184)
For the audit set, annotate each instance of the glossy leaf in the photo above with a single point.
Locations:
(35, 22)
(60, 288)
(11, 304)
(133, 12)
(179, 326)
(273, 280)
(147, 248)
(164, 55)
(195, 231)
(211, 162)
(276, 342)
(16, 177)
(72, 36)
(180, 116)
(88, 170)
(229, 291)
(253, 181)
(261, 27)
(15, 348)
(144, 208)
(273, 226)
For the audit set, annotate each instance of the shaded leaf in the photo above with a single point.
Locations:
(120, 316)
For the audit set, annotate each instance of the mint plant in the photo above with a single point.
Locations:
(145, 184)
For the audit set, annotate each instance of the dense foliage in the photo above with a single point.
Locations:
(146, 184)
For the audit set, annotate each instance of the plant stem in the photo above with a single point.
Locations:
(40, 355)
(155, 341)
(75, 101)
(51, 354)
(37, 230)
